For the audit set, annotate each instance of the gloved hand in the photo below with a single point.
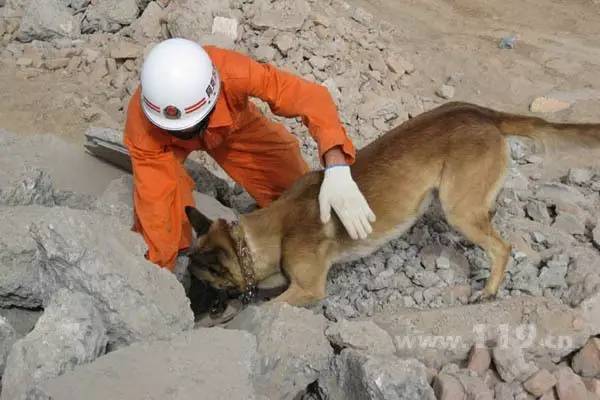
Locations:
(340, 192)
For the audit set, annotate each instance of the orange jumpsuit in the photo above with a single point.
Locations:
(262, 156)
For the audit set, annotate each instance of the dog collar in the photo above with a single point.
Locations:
(244, 255)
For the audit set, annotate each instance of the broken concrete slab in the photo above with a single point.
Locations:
(47, 19)
(22, 320)
(511, 364)
(110, 15)
(193, 19)
(365, 336)
(117, 200)
(71, 332)
(20, 283)
(438, 337)
(97, 255)
(8, 337)
(282, 16)
(293, 351)
(357, 376)
(213, 363)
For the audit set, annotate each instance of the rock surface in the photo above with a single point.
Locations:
(204, 363)
(70, 333)
(292, 349)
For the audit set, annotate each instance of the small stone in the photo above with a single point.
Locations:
(124, 49)
(569, 385)
(24, 62)
(285, 42)
(540, 383)
(442, 263)
(319, 63)
(264, 53)
(537, 211)
(548, 105)
(447, 387)
(511, 364)
(587, 361)
(399, 65)
(570, 224)
(479, 359)
(226, 26)
(549, 395)
(538, 237)
(56, 63)
(365, 336)
(592, 385)
(446, 92)
(475, 387)
(363, 17)
(579, 176)
(111, 65)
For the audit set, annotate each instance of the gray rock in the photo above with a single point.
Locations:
(117, 200)
(31, 186)
(97, 255)
(48, 19)
(8, 336)
(360, 335)
(14, 8)
(555, 272)
(110, 15)
(446, 92)
(70, 333)
(511, 364)
(556, 193)
(579, 176)
(204, 363)
(148, 25)
(292, 347)
(358, 376)
(469, 323)
(193, 19)
(19, 265)
(284, 15)
(21, 319)
(570, 224)
(537, 211)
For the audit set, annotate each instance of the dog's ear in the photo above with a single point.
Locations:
(199, 222)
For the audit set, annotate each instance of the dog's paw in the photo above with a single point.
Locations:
(481, 296)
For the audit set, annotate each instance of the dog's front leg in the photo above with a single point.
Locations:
(308, 277)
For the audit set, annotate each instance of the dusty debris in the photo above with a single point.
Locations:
(292, 349)
(208, 363)
(359, 376)
(540, 383)
(364, 336)
(587, 361)
(136, 300)
(70, 333)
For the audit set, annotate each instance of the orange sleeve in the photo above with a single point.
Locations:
(292, 96)
(161, 189)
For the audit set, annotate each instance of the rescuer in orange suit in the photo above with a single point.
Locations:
(197, 98)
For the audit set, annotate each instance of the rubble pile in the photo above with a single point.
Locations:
(78, 301)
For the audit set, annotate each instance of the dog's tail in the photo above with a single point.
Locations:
(550, 134)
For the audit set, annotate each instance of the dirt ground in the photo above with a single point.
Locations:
(557, 50)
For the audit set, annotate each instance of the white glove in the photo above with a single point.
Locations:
(340, 192)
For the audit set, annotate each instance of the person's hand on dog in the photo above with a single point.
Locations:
(340, 192)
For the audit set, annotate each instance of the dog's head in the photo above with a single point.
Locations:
(212, 254)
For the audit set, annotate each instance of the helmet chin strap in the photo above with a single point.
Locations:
(195, 131)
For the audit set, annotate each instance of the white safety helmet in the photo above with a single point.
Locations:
(180, 84)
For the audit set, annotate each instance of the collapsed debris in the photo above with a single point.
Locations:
(353, 344)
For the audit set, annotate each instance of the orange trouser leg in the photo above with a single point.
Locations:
(264, 158)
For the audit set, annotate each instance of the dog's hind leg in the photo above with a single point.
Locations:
(468, 189)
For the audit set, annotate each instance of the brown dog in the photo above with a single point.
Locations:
(457, 149)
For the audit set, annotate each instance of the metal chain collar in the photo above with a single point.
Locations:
(244, 255)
